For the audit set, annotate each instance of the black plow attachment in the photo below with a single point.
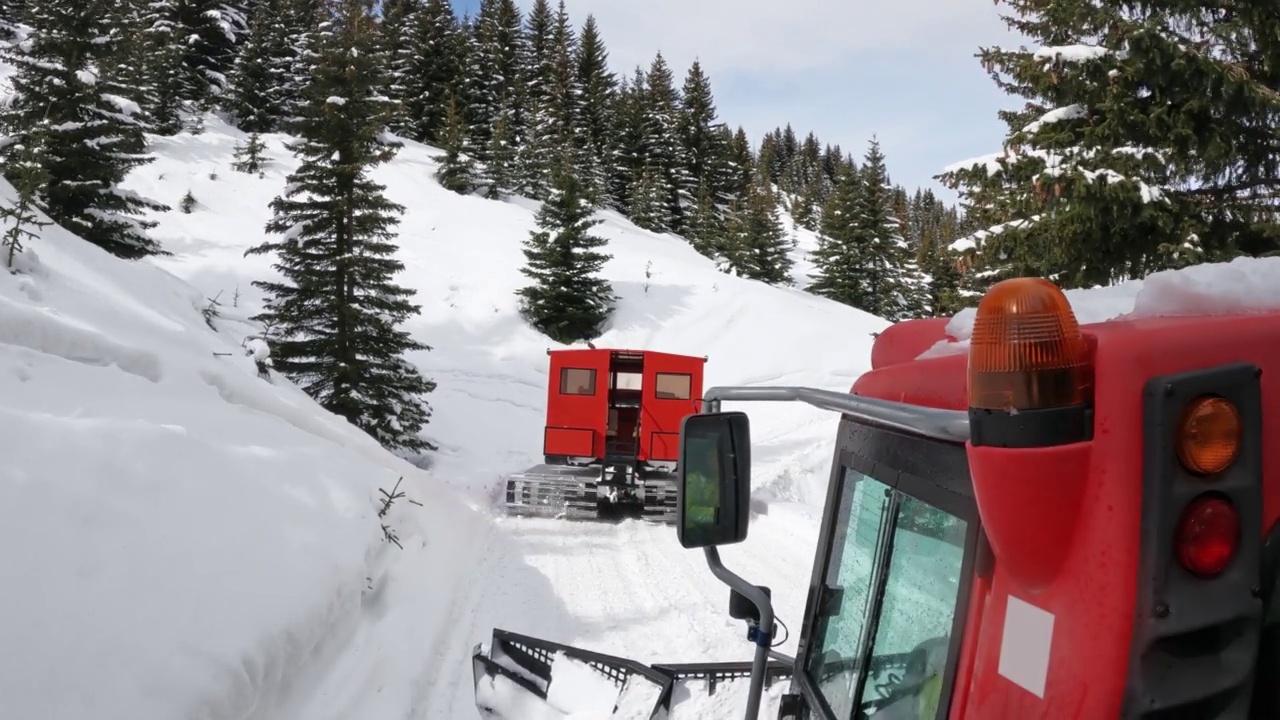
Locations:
(523, 678)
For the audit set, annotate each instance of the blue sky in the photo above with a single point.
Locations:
(903, 70)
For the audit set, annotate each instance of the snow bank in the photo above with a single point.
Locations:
(463, 254)
(180, 535)
(1243, 285)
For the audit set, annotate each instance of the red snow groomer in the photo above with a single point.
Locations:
(1063, 522)
(612, 435)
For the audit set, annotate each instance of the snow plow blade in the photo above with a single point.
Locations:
(514, 681)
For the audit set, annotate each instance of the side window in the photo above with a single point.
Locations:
(919, 606)
(674, 386)
(577, 381)
(864, 505)
(894, 554)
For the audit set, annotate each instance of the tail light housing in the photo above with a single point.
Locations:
(1199, 570)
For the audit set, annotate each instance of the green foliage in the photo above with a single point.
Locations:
(1140, 146)
(88, 139)
(567, 300)
(335, 314)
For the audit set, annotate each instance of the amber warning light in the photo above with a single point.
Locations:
(1027, 351)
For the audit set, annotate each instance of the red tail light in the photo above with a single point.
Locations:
(1208, 536)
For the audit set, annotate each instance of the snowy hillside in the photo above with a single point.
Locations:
(463, 256)
(179, 534)
(194, 541)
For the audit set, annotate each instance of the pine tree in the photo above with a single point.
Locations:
(10, 15)
(254, 97)
(1098, 180)
(567, 300)
(885, 262)
(661, 142)
(628, 139)
(647, 207)
(248, 157)
(757, 245)
(428, 71)
(209, 32)
(496, 96)
(457, 170)
(543, 136)
(27, 176)
(705, 228)
(594, 125)
(88, 141)
(702, 142)
(335, 311)
(839, 257)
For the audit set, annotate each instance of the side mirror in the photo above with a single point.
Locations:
(714, 495)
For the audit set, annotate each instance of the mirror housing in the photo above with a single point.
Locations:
(713, 495)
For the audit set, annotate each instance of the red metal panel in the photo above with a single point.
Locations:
(672, 391)
(577, 399)
(1090, 599)
(664, 446)
(574, 442)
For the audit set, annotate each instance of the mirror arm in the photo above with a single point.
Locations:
(764, 632)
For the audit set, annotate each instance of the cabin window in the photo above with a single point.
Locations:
(674, 386)
(577, 381)
(902, 557)
(627, 380)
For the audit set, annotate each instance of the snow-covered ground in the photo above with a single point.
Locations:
(184, 539)
(193, 541)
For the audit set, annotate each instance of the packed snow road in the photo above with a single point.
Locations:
(625, 588)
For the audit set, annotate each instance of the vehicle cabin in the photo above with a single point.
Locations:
(1107, 548)
(615, 405)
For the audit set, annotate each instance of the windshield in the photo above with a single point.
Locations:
(912, 552)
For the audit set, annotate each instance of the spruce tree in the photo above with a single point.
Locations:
(10, 16)
(254, 96)
(336, 309)
(756, 244)
(27, 176)
(567, 300)
(87, 141)
(628, 139)
(594, 125)
(662, 151)
(839, 257)
(428, 72)
(706, 156)
(457, 170)
(248, 156)
(1139, 135)
(877, 229)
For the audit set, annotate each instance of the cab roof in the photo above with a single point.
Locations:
(924, 362)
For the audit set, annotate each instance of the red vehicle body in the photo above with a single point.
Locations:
(599, 400)
(1074, 528)
(1057, 522)
(612, 434)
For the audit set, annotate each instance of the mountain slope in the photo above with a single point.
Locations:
(463, 254)
(192, 540)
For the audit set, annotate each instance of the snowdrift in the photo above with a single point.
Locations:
(463, 257)
(180, 534)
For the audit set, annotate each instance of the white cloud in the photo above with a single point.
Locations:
(778, 36)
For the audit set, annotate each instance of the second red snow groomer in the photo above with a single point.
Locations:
(612, 434)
